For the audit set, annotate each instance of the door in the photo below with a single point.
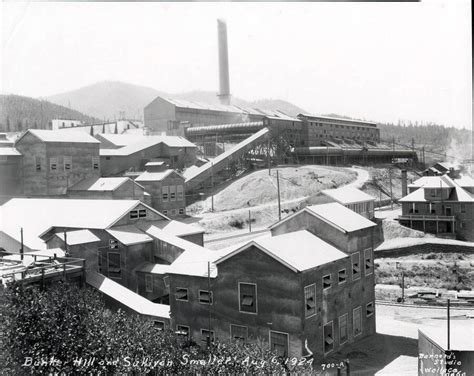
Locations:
(448, 211)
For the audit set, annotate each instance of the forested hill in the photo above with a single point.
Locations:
(18, 113)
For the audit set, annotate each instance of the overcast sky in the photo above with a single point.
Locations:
(379, 61)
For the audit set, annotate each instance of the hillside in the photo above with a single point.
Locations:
(109, 99)
(18, 113)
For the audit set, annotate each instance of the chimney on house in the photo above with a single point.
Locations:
(404, 183)
(224, 85)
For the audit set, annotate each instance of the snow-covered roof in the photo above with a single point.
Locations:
(61, 136)
(432, 182)
(178, 228)
(78, 237)
(37, 215)
(348, 195)
(129, 235)
(458, 193)
(9, 151)
(299, 250)
(415, 196)
(156, 176)
(340, 216)
(100, 184)
(127, 297)
(464, 181)
(192, 261)
(132, 143)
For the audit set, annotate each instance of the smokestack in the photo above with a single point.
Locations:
(404, 183)
(224, 85)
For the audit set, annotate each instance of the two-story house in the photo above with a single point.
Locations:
(440, 205)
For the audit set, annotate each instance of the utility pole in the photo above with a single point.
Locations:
(65, 242)
(21, 246)
(212, 187)
(268, 157)
(391, 193)
(209, 303)
(279, 202)
(403, 286)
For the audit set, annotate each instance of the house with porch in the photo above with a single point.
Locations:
(440, 205)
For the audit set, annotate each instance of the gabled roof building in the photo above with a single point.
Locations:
(440, 205)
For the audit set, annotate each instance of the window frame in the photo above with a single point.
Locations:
(211, 296)
(346, 315)
(38, 162)
(313, 289)
(159, 321)
(324, 337)
(339, 276)
(133, 214)
(96, 163)
(366, 309)
(165, 191)
(358, 276)
(178, 328)
(67, 163)
(120, 265)
(181, 288)
(371, 269)
(323, 282)
(287, 340)
(53, 161)
(353, 321)
(212, 336)
(233, 338)
(255, 297)
(148, 277)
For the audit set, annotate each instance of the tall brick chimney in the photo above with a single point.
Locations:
(224, 83)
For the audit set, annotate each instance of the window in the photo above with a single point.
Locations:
(148, 283)
(279, 343)
(310, 300)
(239, 332)
(369, 309)
(247, 297)
(357, 321)
(96, 162)
(67, 162)
(38, 163)
(133, 214)
(205, 297)
(166, 281)
(173, 212)
(463, 208)
(160, 325)
(463, 224)
(181, 210)
(342, 276)
(368, 264)
(172, 192)
(142, 213)
(355, 266)
(205, 338)
(327, 282)
(182, 331)
(113, 267)
(328, 337)
(164, 193)
(179, 191)
(113, 244)
(343, 329)
(53, 164)
(181, 294)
